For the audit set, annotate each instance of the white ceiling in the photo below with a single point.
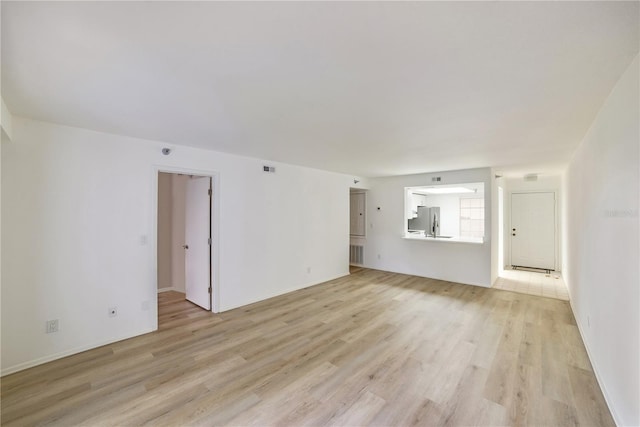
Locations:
(366, 88)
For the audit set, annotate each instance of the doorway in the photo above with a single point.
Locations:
(357, 227)
(532, 264)
(186, 243)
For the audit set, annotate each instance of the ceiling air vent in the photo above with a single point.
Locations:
(269, 169)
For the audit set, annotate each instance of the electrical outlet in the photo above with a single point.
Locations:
(378, 256)
(113, 311)
(51, 326)
(308, 270)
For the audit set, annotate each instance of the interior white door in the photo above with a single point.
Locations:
(357, 214)
(533, 230)
(197, 246)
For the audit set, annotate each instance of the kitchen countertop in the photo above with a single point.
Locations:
(472, 240)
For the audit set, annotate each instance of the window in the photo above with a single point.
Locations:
(445, 211)
(472, 217)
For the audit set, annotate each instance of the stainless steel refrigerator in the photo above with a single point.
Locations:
(428, 219)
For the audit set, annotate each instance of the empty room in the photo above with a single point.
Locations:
(320, 213)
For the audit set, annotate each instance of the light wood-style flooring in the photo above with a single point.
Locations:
(372, 348)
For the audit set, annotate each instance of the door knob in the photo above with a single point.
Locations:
(187, 246)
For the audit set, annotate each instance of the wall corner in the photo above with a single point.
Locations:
(6, 122)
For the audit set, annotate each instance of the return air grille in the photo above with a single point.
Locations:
(356, 254)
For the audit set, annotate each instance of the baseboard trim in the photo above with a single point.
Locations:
(607, 399)
(171, 288)
(31, 363)
(293, 289)
(480, 285)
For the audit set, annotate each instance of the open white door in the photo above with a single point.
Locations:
(533, 230)
(198, 241)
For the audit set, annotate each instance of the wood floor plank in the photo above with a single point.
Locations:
(373, 348)
(588, 398)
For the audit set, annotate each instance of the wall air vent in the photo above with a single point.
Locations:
(531, 177)
(269, 169)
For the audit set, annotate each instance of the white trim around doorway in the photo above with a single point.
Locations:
(215, 228)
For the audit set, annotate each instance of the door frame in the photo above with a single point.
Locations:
(556, 234)
(501, 228)
(215, 227)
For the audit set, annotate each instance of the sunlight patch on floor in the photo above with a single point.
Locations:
(533, 283)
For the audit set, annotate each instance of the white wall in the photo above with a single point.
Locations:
(550, 183)
(165, 226)
(6, 122)
(178, 230)
(496, 217)
(171, 231)
(456, 262)
(78, 221)
(602, 246)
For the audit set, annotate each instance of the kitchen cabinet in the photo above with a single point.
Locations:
(416, 200)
